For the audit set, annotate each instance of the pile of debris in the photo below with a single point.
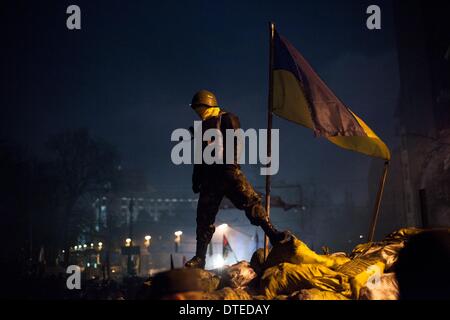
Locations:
(292, 271)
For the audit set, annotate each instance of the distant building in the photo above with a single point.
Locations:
(418, 192)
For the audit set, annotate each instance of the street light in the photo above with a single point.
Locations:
(128, 242)
(178, 233)
(177, 239)
(100, 245)
(147, 241)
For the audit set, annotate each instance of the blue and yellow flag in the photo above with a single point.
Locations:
(299, 95)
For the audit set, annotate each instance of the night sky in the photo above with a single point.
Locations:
(131, 71)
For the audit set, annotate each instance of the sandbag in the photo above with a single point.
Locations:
(238, 275)
(183, 280)
(360, 272)
(403, 234)
(386, 250)
(188, 295)
(386, 289)
(287, 278)
(257, 262)
(316, 294)
(223, 294)
(229, 294)
(296, 252)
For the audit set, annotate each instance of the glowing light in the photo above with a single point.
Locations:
(84, 246)
(218, 262)
(361, 236)
(88, 264)
(147, 238)
(178, 233)
(128, 242)
(92, 245)
(223, 227)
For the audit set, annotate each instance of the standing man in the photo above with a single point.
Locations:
(215, 181)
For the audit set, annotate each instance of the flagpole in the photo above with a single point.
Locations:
(376, 210)
(269, 127)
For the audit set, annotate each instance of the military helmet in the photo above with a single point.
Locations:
(204, 98)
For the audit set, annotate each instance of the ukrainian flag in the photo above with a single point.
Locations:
(299, 95)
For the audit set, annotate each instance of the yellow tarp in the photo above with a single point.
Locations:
(286, 278)
(386, 250)
(360, 271)
(297, 252)
(292, 267)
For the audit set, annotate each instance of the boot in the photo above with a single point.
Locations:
(275, 236)
(199, 260)
(196, 262)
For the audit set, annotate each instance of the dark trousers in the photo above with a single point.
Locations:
(232, 184)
